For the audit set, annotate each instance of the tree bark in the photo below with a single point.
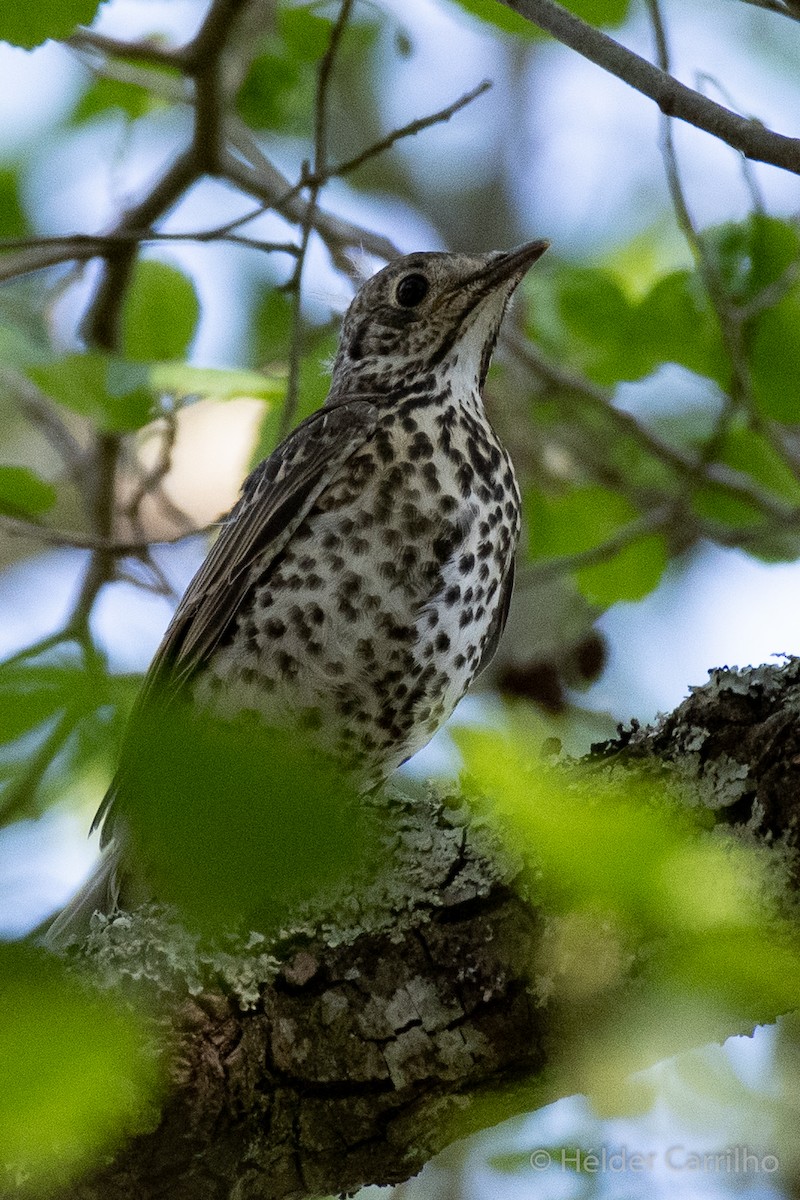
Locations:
(359, 1045)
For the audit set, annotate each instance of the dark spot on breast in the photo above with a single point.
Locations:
(421, 446)
(383, 446)
(286, 663)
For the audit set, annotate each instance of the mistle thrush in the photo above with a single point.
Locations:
(363, 579)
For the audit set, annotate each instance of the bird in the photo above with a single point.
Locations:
(363, 579)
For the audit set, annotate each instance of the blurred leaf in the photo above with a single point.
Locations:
(626, 869)
(33, 693)
(717, 504)
(305, 34)
(510, 1163)
(597, 12)
(775, 360)
(586, 517)
(235, 821)
(600, 12)
(749, 452)
(23, 493)
(584, 317)
(272, 324)
(278, 92)
(675, 323)
(112, 394)
(13, 222)
(315, 382)
(160, 314)
(30, 24)
(104, 95)
(631, 574)
(748, 970)
(77, 1075)
(497, 15)
(19, 349)
(599, 315)
(752, 254)
(181, 380)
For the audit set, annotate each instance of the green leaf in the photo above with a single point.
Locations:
(236, 822)
(181, 380)
(32, 694)
(18, 349)
(775, 360)
(13, 222)
(28, 25)
(675, 323)
(104, 95)
(715, 503)
(77, 1076)
(584, 317)
(750, 255)
(501, 17)
(304, 33)
(597, 12)
(631, 574)
(314, 385)
(273, 323)
(751, 454)
(619, 856)
(600, 12)
(160, 314)
(23, 493)
(278, 91)
(112, 394)
(587, 517)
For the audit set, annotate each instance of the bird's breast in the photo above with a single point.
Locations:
(373, 622)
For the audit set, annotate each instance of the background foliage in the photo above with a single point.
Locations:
(179, 238)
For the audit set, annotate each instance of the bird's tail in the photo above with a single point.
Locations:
(100, 893)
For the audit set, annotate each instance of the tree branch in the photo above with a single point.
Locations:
(354, 1047)
(673, 98)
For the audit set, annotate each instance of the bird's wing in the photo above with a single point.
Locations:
(499, 622)
(275, 498)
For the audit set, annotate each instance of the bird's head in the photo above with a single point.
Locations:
(427, 314)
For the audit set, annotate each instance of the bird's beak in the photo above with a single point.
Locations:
(512, 264)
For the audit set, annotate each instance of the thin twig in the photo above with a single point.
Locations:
(653, 522)
(320, 177)
(409, 130)
(729, 314)
(144, 51)
(26, 528)
(16, 799)
(314, 185)
(688, 466)
(775, 6)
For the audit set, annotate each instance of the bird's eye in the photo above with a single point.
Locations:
(411, 290)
